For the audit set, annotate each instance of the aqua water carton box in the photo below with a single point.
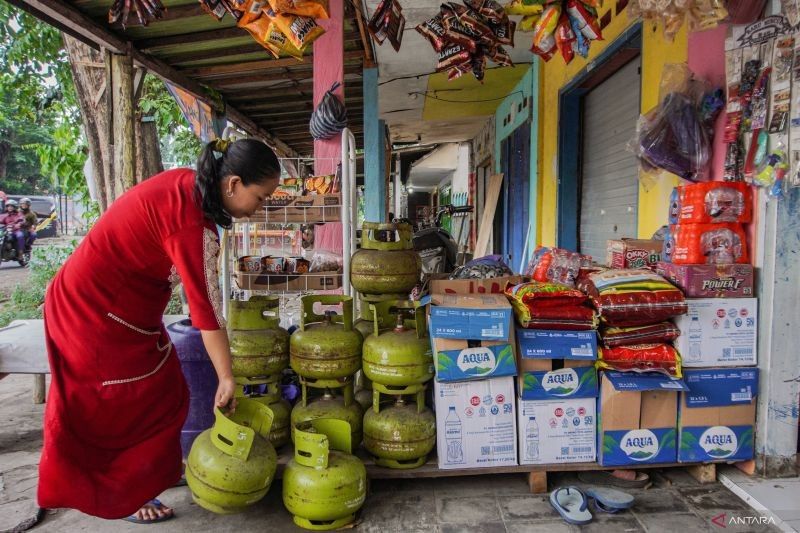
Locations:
(462, 360)
(557, 344)
(638, 418)
(717, 415)
(476, 423)
(553, 379)
(557, 431)
(718, 332)
(469, 316)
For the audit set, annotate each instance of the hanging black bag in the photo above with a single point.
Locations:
(330, 116)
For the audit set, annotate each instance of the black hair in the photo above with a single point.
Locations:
(250, 159)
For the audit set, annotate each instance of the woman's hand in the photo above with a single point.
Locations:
(225, 395)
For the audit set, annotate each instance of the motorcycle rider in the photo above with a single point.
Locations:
(15, 221)
(30, 222)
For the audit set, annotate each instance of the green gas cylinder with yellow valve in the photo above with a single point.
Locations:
(337, 401)
(324, 485)
(232, 464)
(259, 345)
(365, 323)
(326, 346)
(402, 356)
(385, 266)
(400, 434)
(268, 391)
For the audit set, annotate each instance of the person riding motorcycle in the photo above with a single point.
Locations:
(15, 222)
(31, 221)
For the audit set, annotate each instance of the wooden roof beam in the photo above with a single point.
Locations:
(259, 66)
(151, 43)
(259, 81)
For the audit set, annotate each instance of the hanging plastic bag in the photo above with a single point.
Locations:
(330, 116)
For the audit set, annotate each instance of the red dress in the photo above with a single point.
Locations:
(118, 398)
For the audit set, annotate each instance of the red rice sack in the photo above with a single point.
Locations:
(626, 298)
(641, 358)
(665, 332)
(572, 318)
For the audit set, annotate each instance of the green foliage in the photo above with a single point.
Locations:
(26, 300)
(178, 143)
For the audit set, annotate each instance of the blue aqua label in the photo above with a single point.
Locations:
(481, 362)
(721, 387)
(715, 443)
(578, 382)
(556, 344)
(637, 446)
(478, 323)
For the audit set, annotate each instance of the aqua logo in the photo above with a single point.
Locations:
(719, 442)
(639, 444)
(561, 382)
(476, 361)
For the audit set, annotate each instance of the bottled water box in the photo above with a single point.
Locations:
(476, 423)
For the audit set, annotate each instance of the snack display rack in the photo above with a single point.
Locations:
(275, 230)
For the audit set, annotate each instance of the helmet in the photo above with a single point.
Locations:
(11, 202)
(25, 200)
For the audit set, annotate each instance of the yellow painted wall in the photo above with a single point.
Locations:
(656, 52)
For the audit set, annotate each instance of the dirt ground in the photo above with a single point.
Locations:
(11, 275)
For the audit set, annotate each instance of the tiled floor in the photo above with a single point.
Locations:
(478, 504)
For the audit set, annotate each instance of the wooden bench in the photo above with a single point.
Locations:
(23, 351)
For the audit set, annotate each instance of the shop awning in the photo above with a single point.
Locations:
(268, 97)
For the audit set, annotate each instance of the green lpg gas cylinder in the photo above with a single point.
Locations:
(257, 313)
(326, 346)
(279, 434)
(324, 485)
(385, 267)
(334, 403)
(257, 352)
(366, 316)
(232, 464)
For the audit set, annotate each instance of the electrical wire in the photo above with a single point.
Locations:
(418, 76)
(433, 97)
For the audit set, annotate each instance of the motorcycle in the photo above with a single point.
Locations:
(435, 245)
(8, 248)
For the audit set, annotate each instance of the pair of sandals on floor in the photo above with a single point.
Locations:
(572, 503)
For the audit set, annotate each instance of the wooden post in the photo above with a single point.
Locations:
(148, 150)
(537, 482)
(374, 155)
(38, 388)
(123, 116)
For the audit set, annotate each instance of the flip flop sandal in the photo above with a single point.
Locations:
(609, 500)
(608, 510)
(572, 505)
(155, 503)
(602, 477)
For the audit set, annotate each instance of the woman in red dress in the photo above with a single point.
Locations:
(118, 398)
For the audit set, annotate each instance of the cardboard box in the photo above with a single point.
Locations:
(557, 431)
(638, 418)
(551, 379)
(555, 344)
(719, 332)
(633, 253)
(316, 281)
(469, 316)
(476, 423)
(472, 286)
(710, 281)
(461, 360)
(717, 416)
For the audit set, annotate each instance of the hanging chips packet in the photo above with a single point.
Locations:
(215, 8)
(544, 31)
(491, 10)
(315, 9)
(565, 38)
(528, 23)
(433, 30)
(499, 56)
(524, 7)
(301, 31)
(504, 31)
(279, 45)
(453, 55)
(587, 21)
(249, 10)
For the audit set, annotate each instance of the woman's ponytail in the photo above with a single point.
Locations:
(207, 185)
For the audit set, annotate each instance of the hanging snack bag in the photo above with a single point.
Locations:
(377, 25)
(663, 333)
(626, 298)
(710, 244)
(504, 31)
(458, 33)
(301, 31)
(587, 22)
(315, 9)
(528, 23)
(565, 38)
(641, 358)
(581, 43)
(500, 56)
(249, 10)
(433, 30)
(277, 43)
(544, 31)
(453, 55)
(711, 202)
(395, 26)
(215, 8)
(470, 20)
(491, 10)
(524, 7)
(548, 53)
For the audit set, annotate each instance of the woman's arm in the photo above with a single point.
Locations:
(219, 351)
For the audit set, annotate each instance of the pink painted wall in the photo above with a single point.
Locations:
(328, 69)
(707, 61)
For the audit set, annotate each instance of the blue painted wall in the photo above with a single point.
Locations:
(508, 117)
(374, 155)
